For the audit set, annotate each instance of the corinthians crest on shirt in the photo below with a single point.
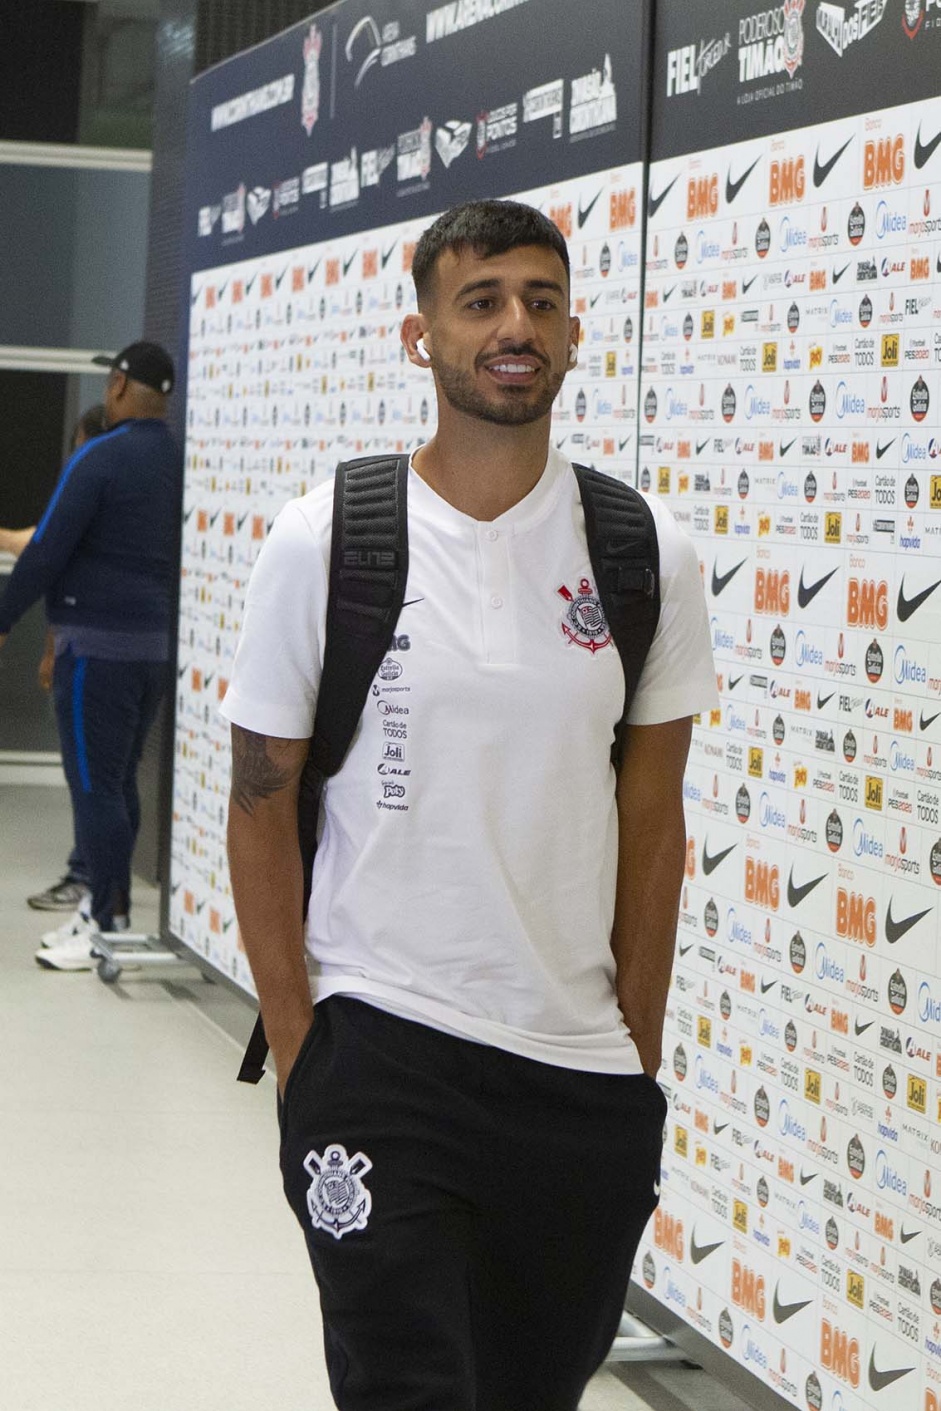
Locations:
(583, 620)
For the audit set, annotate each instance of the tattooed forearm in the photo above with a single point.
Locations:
(255, 773)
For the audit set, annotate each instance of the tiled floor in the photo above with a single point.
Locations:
(147, 1259)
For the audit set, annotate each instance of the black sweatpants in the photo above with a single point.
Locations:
(471, 1216)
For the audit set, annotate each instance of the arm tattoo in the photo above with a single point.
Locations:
(255, 775)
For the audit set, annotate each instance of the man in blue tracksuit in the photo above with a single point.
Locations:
(103, 554)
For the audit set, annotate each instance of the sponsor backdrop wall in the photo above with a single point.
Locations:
(790, 409)
(314, 162)
(789, 394)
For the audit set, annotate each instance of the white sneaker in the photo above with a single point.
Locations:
(78, 924)
(76, 953)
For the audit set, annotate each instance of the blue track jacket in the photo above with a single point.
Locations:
(103, 552)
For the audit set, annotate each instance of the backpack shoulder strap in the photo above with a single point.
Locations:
(625, 558)
(368, 572)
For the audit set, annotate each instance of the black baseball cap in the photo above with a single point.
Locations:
(142, 362)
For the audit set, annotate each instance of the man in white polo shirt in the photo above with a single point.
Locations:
(471, 1130)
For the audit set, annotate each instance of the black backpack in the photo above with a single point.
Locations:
(368, 572)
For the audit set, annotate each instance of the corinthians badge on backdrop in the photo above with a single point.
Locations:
(310, 93)
(583, 621)
(337, 1199)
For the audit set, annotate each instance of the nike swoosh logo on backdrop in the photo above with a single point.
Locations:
(880, 1380)
(861, 1028)
(701, 445)
(795, 894)
(347, 264)
(924, 151)
(783, 450)
(279, 278)
(806, 1180)
(824, 700)
(746, 287)
(907, 607)
(908, 1235)
(709, 864)
(655, 202)
(784, 1311)
(313, 269)
(585, 211)
(923, 723)
(699, 1252)
(622, 445)
(895, 930)
(881, 450)
(733, 682)
(732, 188)
(718, 1127)
(823, 169)
(594, 299)
(767, 986)
(720, 581)
(668, 295)
(837, 276)
(806, 594)
(685, 950)
(387, 254)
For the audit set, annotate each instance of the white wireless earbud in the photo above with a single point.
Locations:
(573, 353)
(422, 351)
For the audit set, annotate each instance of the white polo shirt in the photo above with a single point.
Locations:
(466, 872)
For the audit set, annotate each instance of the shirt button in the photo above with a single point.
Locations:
(492, 535)
(496, 601)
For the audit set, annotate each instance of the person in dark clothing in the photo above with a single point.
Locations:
(103, 555)
(72, 888)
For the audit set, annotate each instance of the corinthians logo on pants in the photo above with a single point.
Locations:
(337, 1200)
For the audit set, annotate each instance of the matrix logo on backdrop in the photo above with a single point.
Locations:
(840, 29)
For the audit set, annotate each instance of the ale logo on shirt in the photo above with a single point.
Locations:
(583, 620)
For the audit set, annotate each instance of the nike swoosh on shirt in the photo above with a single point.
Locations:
(784, 1311)
(861, 1028)
(412, 601)
(710, 863)
(796, 894)
(699, 1252)
(732, 188)
(823, 169)
(783, 450)
(720, 581)
(907, 607)
(585, 211)
(655, 202)
(924, 722)
(880, 1380)
(924, 151)
(895, 930)
(807, 592)
(838, 274)
(881, 450)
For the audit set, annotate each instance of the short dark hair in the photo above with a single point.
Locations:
(90, 424)
(488, 228)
